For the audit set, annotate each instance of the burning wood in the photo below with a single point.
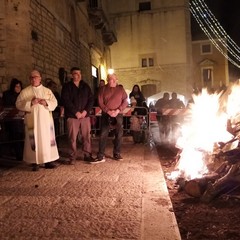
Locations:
(225, 184)
(223, 179)
(205, 169)
(196, 187)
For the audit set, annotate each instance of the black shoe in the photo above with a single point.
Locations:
(97, 160)
(88, 158)
(117, 156)
(50, 165)
(35, 167)
(69, 162)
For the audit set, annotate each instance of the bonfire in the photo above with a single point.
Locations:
(208, 159)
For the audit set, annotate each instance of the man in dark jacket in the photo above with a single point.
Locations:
(78, 100)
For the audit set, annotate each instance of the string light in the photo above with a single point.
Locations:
(219, 36)
(215, 32)
(212, 39)
(219, 27)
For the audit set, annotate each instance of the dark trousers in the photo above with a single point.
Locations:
(118, 134)
(15, 130)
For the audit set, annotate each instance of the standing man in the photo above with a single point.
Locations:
(163, 120)
(175, 120)
(175, 102)
(77, 100)
(112, 99)
(38, 102)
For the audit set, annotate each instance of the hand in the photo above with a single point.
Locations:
(110, 113)
(34, 101)
(43, 102)
(78, 115)
(113, 113)
(84, 113)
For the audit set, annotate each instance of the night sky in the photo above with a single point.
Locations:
(228, 14)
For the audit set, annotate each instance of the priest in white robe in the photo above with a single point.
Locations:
(38, 102)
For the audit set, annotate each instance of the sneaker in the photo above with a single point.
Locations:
(35, 167)
(117, 156)
(88, 158)
(49, 165)
(97, 160)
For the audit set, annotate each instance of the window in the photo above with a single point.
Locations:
(147, 62)
(206, 48)
(144, 6)
(94, 71)
(144, 62)
(150, 62)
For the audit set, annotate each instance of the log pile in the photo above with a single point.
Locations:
(222, 180)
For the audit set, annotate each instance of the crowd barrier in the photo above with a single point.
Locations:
(148, 116)
(174, 111)
(154, 116)
(13, 115)
(127, 113)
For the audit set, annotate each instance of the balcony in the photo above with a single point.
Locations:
(99, 19)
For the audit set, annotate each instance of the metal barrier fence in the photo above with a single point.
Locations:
(11, 119)
(141, 112)
(14, 116)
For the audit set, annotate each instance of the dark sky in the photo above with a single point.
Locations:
(228, 14)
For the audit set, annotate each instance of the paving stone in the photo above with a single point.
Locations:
(112, 200)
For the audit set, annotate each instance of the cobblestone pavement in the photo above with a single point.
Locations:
(112, 200)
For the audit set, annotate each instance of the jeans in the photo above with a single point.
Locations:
(118, 134)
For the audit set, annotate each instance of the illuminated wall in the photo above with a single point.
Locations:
(162, 35)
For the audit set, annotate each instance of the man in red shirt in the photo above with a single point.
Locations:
(112, 99)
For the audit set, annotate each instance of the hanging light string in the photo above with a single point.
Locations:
(214, 31)
(208, 34)
(217, 34)
(219, 27)
(212, 39)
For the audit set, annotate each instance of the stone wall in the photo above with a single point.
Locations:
(46, 35)
(162, 34)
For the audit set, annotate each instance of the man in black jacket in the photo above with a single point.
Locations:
(78, 100)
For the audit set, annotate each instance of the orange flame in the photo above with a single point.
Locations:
(205, 126)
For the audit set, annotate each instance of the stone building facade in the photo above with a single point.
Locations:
(209, 66)
(154, 45)
(51, 36)
(146, 42)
